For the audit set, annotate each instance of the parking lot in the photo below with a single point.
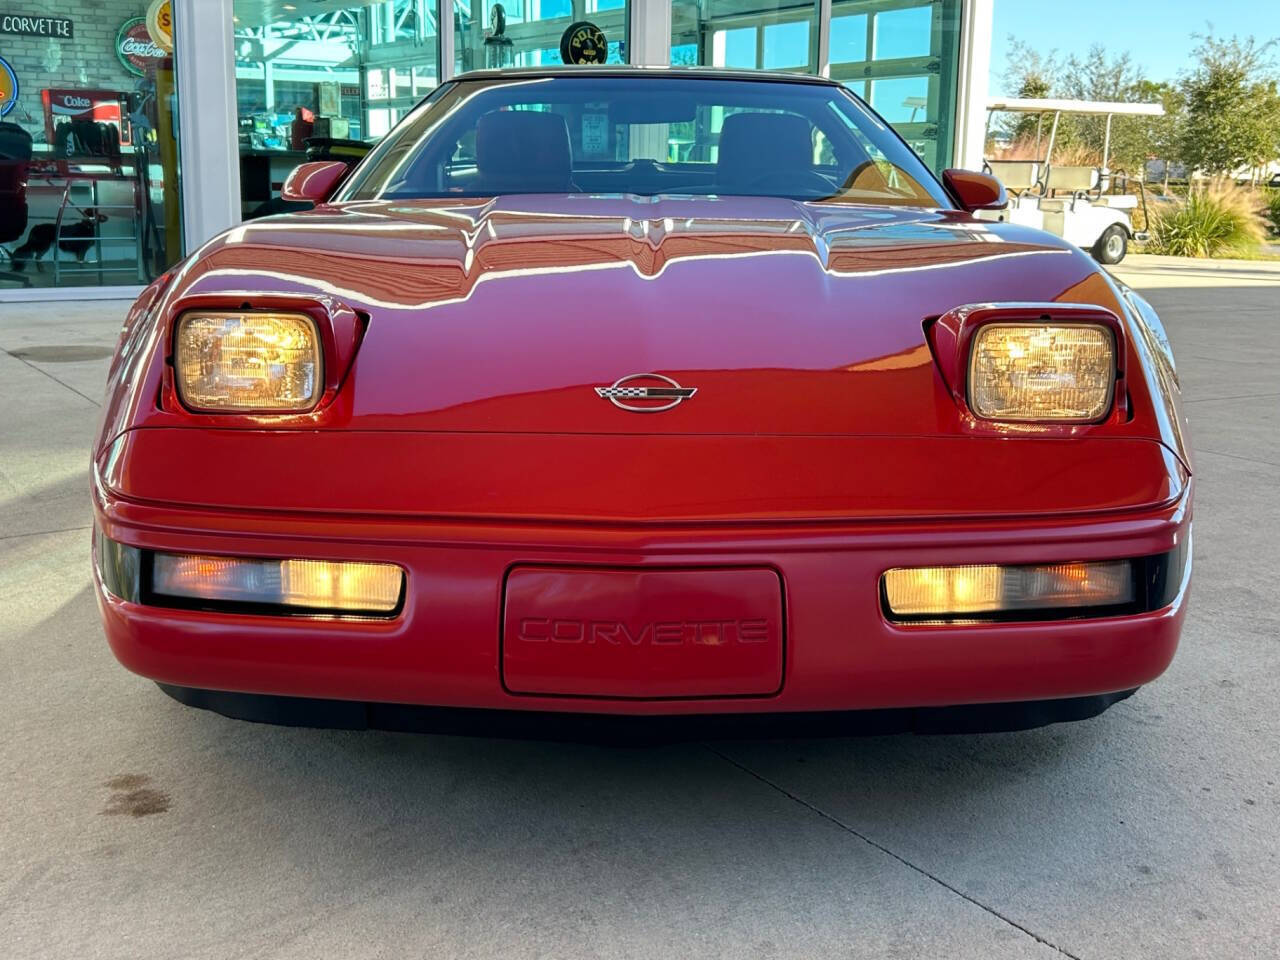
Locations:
(135, 827)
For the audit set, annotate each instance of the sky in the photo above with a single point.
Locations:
(1157, 35)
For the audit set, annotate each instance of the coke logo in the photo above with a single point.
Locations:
(131, 47)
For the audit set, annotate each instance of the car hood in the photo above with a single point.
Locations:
(506, 315)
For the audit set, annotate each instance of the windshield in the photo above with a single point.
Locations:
(645, 135)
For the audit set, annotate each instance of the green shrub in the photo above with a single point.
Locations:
(1220, 220)
(1273, 208)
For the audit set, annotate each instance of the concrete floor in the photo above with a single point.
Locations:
(136, 828)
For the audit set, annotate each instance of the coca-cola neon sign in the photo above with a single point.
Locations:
(135, 48)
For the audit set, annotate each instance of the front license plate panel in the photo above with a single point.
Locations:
(642, 634)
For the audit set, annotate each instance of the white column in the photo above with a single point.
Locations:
(444, 35)
(973, 89)
(208, 134)
(650, 44)
(824, 37)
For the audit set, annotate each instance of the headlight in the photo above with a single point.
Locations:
(248, 362)
(1042, 372)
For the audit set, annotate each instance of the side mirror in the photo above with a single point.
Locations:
(975, 191)
(313, 182)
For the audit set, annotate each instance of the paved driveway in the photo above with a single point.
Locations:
(136, 828)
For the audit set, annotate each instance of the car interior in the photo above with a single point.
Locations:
(661, 144)
(533, 152)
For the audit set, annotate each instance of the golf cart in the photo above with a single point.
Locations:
(1090, 206)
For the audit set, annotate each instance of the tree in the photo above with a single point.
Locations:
(1232, 106)
(1032, 75)
(1157, 138)
(1095, 76)
(1100, 76)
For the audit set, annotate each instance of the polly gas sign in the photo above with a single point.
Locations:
(8, 87)
(135, 48)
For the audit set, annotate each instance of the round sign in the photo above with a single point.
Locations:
(8, 87)
(498, 21)
(160, 24)
(135, 48)
(584, 42)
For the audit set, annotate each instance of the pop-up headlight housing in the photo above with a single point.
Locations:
(1050, 364)
(278, 356)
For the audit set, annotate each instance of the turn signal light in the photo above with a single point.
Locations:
(248, 362)
(986, 589)
(1042, 372)
(318, 585)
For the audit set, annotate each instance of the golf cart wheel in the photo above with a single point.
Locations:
(1112, 245)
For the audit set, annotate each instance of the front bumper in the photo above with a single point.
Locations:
(841, 653)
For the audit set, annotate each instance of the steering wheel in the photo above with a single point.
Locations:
(790, 179)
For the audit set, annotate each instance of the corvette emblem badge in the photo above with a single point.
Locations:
(646, 393)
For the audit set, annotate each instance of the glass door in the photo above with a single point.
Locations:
(745, 35)
(89, 187)
(317, 82)
(902, 57)
(492, 34)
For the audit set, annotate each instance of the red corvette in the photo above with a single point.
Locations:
(642, 396)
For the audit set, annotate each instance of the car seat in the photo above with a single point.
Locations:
(758, 146)
(520, 151)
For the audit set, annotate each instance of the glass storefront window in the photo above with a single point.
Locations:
(902, 57)
(89, 166)
(89, 192)
(776, 35)
(318, 80)
(530, 33)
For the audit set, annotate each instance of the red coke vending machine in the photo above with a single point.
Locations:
(94, 106)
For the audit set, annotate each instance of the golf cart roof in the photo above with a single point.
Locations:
(1087, 107)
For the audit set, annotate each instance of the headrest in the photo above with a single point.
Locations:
(521, 151)
(753, 145)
